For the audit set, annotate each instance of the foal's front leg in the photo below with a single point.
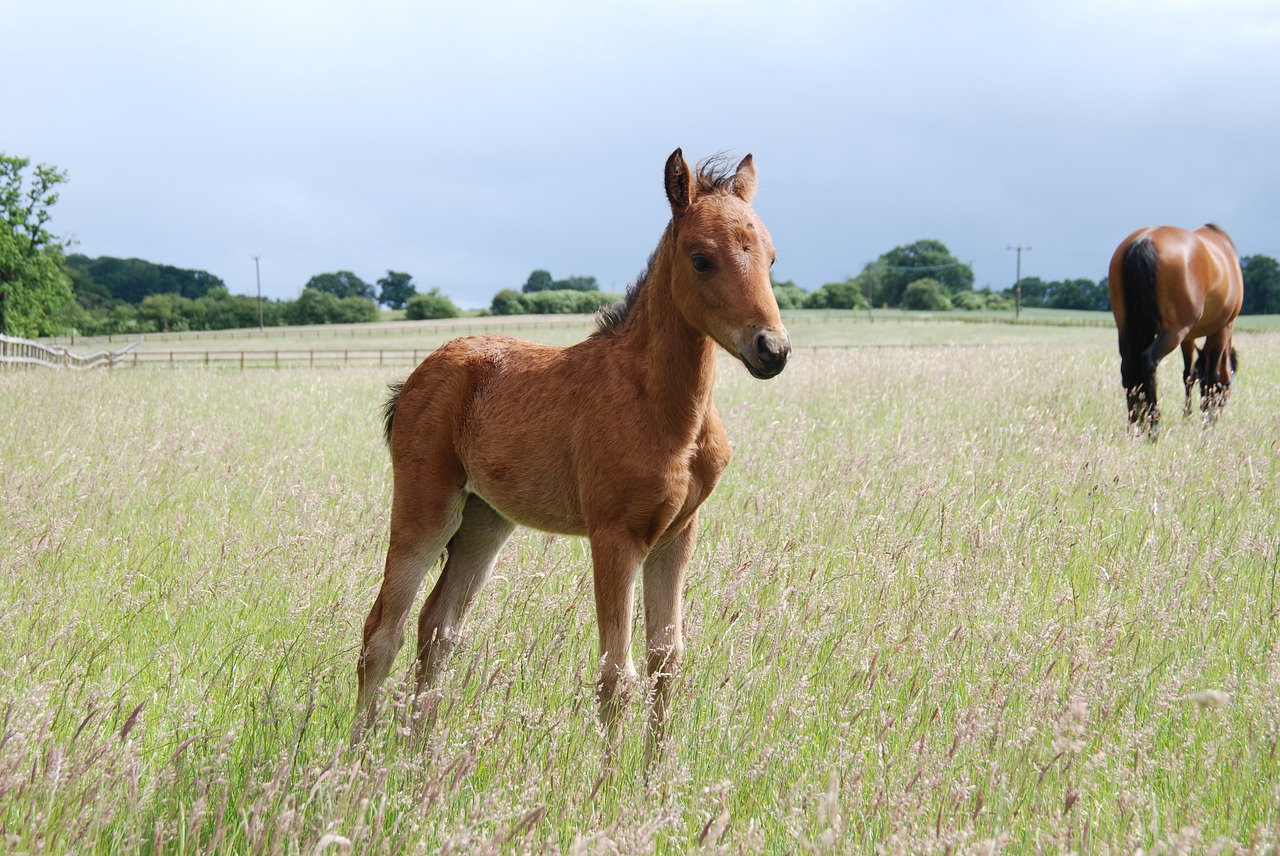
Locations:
(663, 624)
(615, 555)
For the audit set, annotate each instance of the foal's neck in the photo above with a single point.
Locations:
(678, 363)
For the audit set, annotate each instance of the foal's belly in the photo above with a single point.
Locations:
(529, 503)
(526, 475)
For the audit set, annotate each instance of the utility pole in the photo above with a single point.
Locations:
(1017, 285)
(257, 272)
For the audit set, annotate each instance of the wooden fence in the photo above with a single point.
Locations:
(276, 359)
(24, 352)
(368, 357)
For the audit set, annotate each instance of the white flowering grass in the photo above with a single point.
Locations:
(941, 600)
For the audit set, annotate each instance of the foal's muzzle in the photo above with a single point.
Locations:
(767, 352)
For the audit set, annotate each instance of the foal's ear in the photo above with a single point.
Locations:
(679, 183)
(744, 180)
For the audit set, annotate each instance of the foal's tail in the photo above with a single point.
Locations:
(1141, 311)
(389, 408)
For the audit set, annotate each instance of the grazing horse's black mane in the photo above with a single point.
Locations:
(713, 176)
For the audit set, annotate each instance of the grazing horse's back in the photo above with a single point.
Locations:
(1168, 288)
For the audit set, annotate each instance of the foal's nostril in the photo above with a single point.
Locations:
(771, 350)
(762, 347)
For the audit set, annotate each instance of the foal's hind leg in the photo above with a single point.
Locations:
(472, 552)
(663, 624)
(422, 522)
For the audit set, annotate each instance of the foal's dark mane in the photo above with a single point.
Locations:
(713, 175)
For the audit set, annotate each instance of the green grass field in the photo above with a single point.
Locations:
(942, 601)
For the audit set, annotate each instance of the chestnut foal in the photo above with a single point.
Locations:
(615, 438)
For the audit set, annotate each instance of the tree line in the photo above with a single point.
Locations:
(44, 291)
(542, 294)
(129, 296)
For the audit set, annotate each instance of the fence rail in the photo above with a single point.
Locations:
(24, 352)
(368, 357)
(450, 327)
(276, 358)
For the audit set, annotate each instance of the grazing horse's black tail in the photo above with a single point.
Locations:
(389, 408)
(1141, 323)
(1141, 312)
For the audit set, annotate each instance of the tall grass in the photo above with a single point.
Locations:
(941, 600)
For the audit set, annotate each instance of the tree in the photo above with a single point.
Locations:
(539, 280)
(341, 284)
(1078, 294)
(576, 283)
(566, 301)
(167, 312)
(1063, 294)
(788, 294)
(395, 289)
(314, 306)
(984, 299)
(131, 280)
(1034, 290)
(34, 292)
(225, 311)
(903, 265)
(1261, 285)
(846, 294)
(925, 293)
(508, 301)
(433, 304)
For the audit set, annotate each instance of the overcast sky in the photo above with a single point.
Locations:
(469, 143)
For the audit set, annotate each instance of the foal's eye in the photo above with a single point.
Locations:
(771, 261)
(701, 263)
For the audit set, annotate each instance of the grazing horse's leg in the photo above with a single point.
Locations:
(472, 552)
(1131, 376)
(1215, 382)
(616, 555)
(423, 519)
(1163, 345)
(663, 624)
(1188, 372)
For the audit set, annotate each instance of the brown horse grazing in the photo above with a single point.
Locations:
(615, 438)
(1169, 287)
